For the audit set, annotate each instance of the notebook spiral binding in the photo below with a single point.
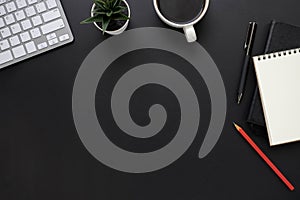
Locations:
(278, 54)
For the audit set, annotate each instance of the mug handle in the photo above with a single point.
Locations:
(190, 33)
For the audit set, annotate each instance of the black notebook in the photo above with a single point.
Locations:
(281, 37)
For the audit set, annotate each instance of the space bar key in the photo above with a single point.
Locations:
(52, 26)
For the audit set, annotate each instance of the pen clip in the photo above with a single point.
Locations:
(249, 34)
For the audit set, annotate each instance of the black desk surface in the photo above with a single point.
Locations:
(42, 157)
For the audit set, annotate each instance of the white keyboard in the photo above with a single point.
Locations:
(31, 27)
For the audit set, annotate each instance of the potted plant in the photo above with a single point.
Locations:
(109, 16)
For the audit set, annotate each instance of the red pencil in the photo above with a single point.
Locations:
(264, 157)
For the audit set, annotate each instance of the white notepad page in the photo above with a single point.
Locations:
(278, 77)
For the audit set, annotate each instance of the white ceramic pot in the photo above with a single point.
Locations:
(120, 30)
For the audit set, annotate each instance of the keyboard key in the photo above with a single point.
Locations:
(64, 37)
(4, 45)
(30, 11)
(30, 47)
(51, 36)
(35, 33)
(5, 32)
(29, 27)
(9, 19)
(2, 11)
(40, 7)
(26, 24)
(52, 26)
(11, 6)
(36, 20)
(53, 41)
(25, 36)
(20, 15)
(5, 57)
(42, 45)
(21, 3)
(31, 1)
(16, 28)
(50, 15)
(14, 41)
(19, 51)
(1, 23)
(51, 3)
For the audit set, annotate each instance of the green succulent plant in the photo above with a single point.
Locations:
(105, 12)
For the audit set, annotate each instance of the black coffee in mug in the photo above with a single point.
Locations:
(181, 11)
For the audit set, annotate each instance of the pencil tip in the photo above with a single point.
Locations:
(235, 125)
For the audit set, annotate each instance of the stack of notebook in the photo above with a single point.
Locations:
(277, 75)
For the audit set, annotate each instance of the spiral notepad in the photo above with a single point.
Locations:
(278, 76)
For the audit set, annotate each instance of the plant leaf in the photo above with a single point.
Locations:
(105, 23)
(106, 6)
(99, 13)
(111, 3)
(100, 4)
(97, 18)
(121, 16)
(119, 10)
(117, 3)
(108, 14)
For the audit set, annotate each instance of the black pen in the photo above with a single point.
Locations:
(248, 47)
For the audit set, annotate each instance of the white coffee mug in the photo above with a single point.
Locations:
(188, 28)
